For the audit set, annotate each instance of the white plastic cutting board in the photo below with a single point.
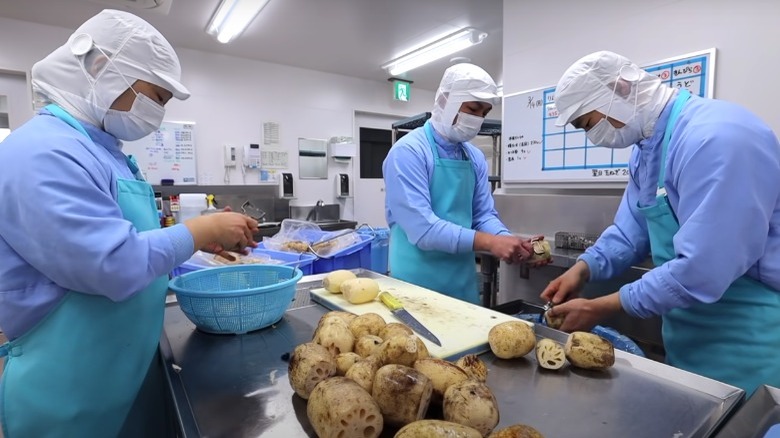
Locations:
(461, 327)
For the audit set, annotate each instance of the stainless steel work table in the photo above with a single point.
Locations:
(237, 386)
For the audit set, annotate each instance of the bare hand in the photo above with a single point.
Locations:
(568, 285)
(225, 231)
(582, 315)
(578, 315)
(529, 246)
(510, 249)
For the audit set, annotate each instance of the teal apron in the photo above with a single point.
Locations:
(735, 340)
(78, 371)
(452, 193)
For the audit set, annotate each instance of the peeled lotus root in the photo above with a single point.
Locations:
(550, 354)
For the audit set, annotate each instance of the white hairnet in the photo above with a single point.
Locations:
(591, 82)
(461, 83)
(87, 85)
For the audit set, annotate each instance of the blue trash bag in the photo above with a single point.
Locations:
(621, 342)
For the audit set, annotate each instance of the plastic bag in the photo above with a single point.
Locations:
(621, 342)
(207, 260)
(331, 243)
(297, 236)
(293, 236)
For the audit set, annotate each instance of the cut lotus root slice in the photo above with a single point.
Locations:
(550, 354)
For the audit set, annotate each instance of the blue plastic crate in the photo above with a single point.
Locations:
(355, 256)
(301, 261)
(236, 299)
(380, 248)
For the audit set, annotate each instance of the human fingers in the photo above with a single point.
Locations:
(552, 288)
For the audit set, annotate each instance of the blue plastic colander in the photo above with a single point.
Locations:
(236, 299)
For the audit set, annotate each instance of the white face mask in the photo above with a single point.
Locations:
(606, 135)
(144, 117)
(465, 128)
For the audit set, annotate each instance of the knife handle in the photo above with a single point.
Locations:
(390, 301)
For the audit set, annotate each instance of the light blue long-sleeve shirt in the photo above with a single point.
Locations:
(61, 227)
(408, 170)
(723, 184)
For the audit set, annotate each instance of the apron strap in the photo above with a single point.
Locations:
(66, 117)
(4, 349)
(70, 120)
(676, 110)
(134, 169)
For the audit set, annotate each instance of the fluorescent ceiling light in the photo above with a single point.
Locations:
(232, 17)
(438, 49)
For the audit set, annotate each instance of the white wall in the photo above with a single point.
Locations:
(541, 39)
(232, 97)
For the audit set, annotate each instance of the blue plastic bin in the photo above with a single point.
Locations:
(380, 248)
(355, 256)
(351, 257)
(303, 262)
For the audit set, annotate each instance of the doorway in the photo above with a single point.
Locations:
(369, 186)
(15, 102)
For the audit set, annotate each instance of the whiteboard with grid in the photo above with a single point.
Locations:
(533, 149)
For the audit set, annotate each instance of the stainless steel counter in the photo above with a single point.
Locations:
(237, 386)
(756, 416)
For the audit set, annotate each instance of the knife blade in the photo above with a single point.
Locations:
(397, 308)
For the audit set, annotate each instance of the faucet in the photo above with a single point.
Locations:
(314, 213)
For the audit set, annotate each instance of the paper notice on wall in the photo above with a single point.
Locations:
(274, 157)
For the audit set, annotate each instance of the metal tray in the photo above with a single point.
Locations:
(754, 418)
(237, 386)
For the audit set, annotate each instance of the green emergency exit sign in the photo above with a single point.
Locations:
(402, 91)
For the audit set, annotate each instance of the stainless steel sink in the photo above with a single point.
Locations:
(271, 228)
(334, 222)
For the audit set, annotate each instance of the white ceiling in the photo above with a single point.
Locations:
(348, 37)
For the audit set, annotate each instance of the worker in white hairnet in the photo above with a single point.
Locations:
(85, 263)
(703, 199)
(438, 201)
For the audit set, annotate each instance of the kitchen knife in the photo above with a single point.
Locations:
(398, 310)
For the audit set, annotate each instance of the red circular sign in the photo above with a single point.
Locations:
(665, 74)
(696, 68)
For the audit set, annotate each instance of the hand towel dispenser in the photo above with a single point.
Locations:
(286, 186)
(343, 187)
